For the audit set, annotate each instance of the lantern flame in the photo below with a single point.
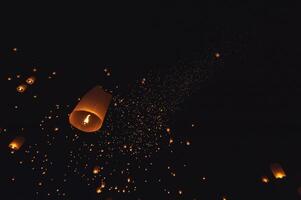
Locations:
(87, 120)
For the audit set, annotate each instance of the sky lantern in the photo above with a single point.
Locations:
(17, 143)
(168, 130)
(96, 170)
(89, 114)
(277, 171)
(31, 80)
(265, 179)
(98, 190)
(21, 88)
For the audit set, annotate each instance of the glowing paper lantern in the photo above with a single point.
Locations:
(217, 55)
(265, 179)
(21, 88)
(96, 170)
(31, 80)
(277, 171)
(89, 113)
(17, 143)
(98, 190)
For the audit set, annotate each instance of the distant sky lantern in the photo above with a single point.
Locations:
(17, 143)
(265, 179)
(168, 130)
(21, 88)
(98, 190)
(277, 171)
(96, 170)
(89, 114)
(31, 80)
(217, 55)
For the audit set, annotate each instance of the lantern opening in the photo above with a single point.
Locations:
(85, 120)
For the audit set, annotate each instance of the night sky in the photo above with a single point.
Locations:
(205, 101)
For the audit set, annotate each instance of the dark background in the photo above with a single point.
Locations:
(247, 113)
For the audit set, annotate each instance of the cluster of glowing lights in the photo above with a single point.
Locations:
(96, 170)
(23, 87)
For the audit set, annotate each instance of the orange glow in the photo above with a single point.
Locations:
(170, 141)
(277, 171)
(96, 170)
(265, 179)
(217, 55)
(168, 130)
(31, 80)
(98, 190)
(103, 184)
(17, 143)
(21, 88)
(89, 114)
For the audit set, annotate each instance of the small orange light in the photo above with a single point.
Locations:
(98, 190)
(96, 170)
(277, 171)
(31, 80)
(21, 88)
(265, 179)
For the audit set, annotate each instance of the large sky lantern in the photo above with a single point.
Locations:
(89, 114)
(16, 143)
(277, 171)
